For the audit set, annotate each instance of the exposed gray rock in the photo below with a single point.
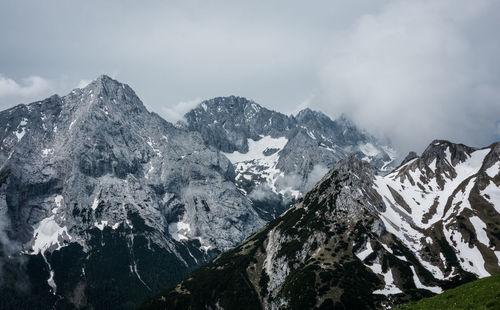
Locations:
(304, 146)
(96, 162)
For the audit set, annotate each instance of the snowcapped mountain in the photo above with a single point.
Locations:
(278, 158)
(96, 193)
(359, 240)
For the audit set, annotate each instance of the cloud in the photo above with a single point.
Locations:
(318, 172)
(30, 89)
(83, 83)
(176, 112)
(262, 192)
(411, 70)
(9, 255)
(416, 71)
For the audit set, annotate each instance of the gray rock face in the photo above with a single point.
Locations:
(279, 157)
(95, 164)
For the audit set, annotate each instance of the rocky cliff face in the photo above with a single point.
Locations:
(359, 240)
(96, 192)
(278, 158)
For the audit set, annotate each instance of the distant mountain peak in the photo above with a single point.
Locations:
(308, 114)
(443, 149)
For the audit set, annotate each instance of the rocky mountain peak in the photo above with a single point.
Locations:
(104, 83)
(96, 177)
(106, 94)
(440, 150)
(351, 165)
(346, 188)
(234, 104)
(314, 118)
(306, 113)
(344, 120)
(411, 155)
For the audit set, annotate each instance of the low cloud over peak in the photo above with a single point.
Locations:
(412, 72)
(409, 70)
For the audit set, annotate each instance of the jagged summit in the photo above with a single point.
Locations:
(281, 154)
(229, 105)
(443, 149)
(104, 81)
(95, 180)
(307, 113)
(107, 91)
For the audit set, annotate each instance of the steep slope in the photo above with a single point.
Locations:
(358, 240)
(278, 158)
(96, 192)
(480, 294)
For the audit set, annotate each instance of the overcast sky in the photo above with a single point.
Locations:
(409, 70)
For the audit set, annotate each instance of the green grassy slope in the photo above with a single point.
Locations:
(480, 294)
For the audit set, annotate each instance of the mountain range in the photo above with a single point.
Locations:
(361, 240)
(103, 203)
(278, 157)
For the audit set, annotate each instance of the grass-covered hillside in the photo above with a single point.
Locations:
(480, 294)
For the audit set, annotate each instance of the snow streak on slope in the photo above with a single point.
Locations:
(492, 194)
(427, 191)
(261, 160)
(420, 199)
(256, 149)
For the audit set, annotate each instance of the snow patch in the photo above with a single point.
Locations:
(418, 284)
(101, 224)
(47, 234)
(390, 287)
(46, 152)
(497, 253)
(59, 200)
(21, 129)
(51, 282)
(179, 230)
(480, 228)
(151, 144)
(492, 194)
(364, 253)
(254, 162)
(95, 204)
(72, 123)
(432, 165)
(256, 149)
(493, 170)
(470, 259)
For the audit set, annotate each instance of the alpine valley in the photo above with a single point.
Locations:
(103, 204)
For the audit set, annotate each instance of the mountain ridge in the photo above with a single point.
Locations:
(278, 157)
(341, 246)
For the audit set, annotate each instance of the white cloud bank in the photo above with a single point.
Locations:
(176, 112)
(30, 89)
(415, 71)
